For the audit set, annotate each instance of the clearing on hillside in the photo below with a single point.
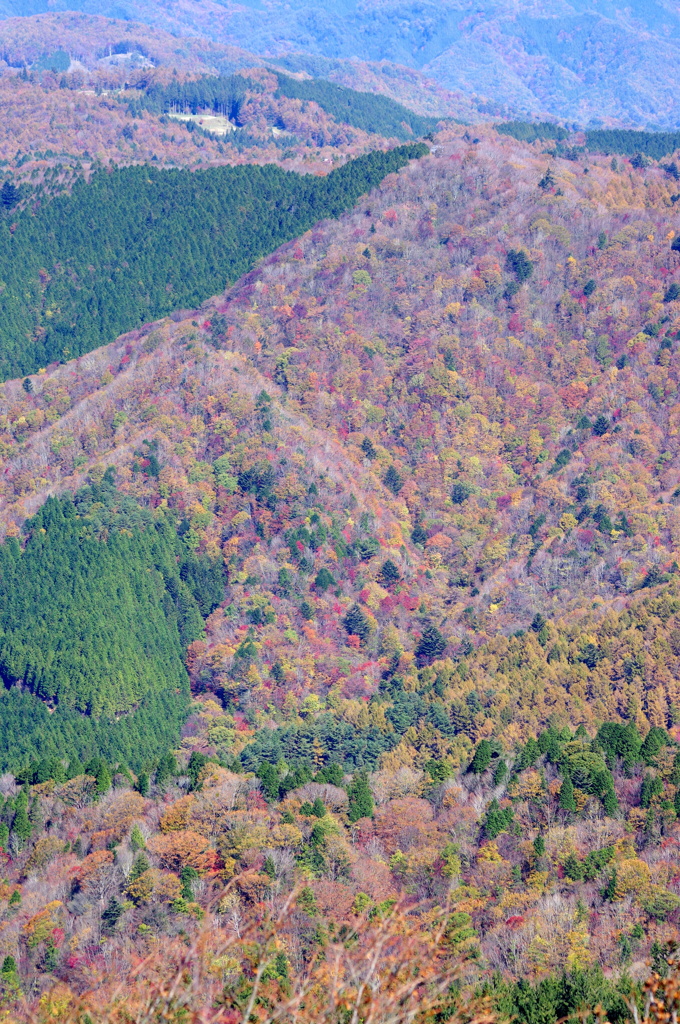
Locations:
(217, 124)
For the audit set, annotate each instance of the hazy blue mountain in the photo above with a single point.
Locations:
(584, 60)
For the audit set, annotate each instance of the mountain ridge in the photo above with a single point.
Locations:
(88, 36)
(290, 359)
(579, 62)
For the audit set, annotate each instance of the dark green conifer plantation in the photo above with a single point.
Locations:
(360, 798)
(365, 110)
(96, 612)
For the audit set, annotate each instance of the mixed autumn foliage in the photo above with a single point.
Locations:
(61, 126)
(404, 505)
(578, 62)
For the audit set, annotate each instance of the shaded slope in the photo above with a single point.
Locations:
(436, 446)
(89, 38)
(362, 110)
(528, 409)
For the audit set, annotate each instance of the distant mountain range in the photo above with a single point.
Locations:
(585, 61)
(35, 40)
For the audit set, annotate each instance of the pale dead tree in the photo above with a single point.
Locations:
(109, 955)
(232, 911)
(548, 814)
(8, 786)
(216, 802)
(103, 883)
(506, 950)
(478, 803)
(331, 796)
(374, 849)
(283, 860)
(125, 859)
(556, 915)
(337, 858)
(198, 887)
(393, 785)
(145, 829)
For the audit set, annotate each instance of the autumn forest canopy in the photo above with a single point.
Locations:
(339, 527)
(377, 115)
(384, 541)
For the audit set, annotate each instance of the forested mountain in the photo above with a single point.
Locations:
(583, 61)
(78, 93)
(63, 125)
(419, 471)
(61, 130)
(340, 594)
(117, 46)
(341, 613)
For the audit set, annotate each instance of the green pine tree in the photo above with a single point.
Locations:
(9, 195)
(609, 891)
(567, 801)
(103, 780)
(140, 865)
(9, 977)
(137, 839)
(21, 826)
(356, 623)
(112, 912)
(482, 758)
(610, 803)
(360, 798)
(431, 645)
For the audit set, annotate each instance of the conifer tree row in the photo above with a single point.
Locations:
(365, 110)
(627, 142)
(621, 141)
(224, 95)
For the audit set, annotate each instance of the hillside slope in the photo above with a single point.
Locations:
(490, 346)
(420, 472)
(109, 255)
(79, 91)
(123, 43)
